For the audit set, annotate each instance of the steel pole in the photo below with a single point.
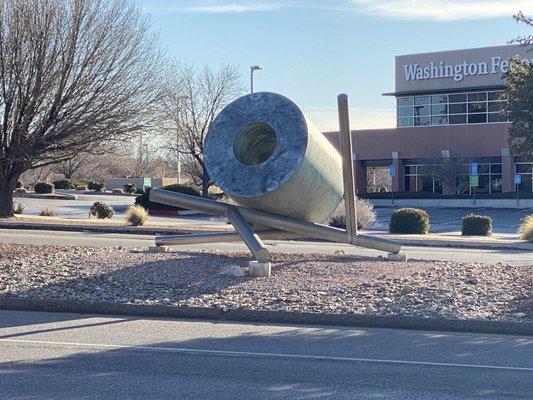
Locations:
(347, 166)
(281, 222)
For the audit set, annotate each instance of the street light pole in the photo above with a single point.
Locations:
(252, 69)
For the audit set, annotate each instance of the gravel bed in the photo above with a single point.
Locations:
(306, 283)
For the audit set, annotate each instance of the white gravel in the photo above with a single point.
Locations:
(308, 283)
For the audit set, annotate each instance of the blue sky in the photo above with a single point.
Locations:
(311, 50)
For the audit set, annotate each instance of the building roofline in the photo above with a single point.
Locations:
(455, 90)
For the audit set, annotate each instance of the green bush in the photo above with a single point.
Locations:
(101, 210)
(19, 185)
(63, 184)
(144, 201)
(96, 186)
(43, 187)
(129, 188)
(139, 191)
(476, 225)
(409, 220)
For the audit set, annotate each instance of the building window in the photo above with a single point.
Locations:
(422, 178)
(490, 176)
(452, 109)
(525, 169)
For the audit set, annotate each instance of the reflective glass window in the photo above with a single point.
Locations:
(404, 101)
(439, 109)
(496, 105)
(421, 110)
(419, 121)
(457, 119)
(405, 121)
(440, 120)
(477, 107)
(524, 168)
(457, 98)
(477, 96)
(477, 118)
(405, 111)
(420, 100)
(459, 108)
(495, 95)
(439, 99)
(495, 168)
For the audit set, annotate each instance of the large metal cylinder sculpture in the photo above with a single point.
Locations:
(265, 154)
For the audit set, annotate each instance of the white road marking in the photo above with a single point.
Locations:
(266, 355)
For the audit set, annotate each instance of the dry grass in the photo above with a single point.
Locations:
(136, 215)
(47, 212)
(526, 229)
(18, 208)
(366, 215)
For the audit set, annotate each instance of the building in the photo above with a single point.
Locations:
(448, 107)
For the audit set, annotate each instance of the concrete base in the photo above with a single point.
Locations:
(397, 257)
(259, 269)
(158, 249)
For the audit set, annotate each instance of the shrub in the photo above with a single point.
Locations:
(144, 201)
(101, 210)
(480, 225)
(409, 220)
(96, 186)
(20, 190)
(117, 190)
(63, 184)
(80, 182)
(139, 191)
(43, 187)
(366, 215)
(129, 188)
(19, 185)
(47, 212)
(18, 208)
(136, 215)
(526, 228)
(81, 188)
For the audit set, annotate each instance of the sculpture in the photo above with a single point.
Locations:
(285, 176)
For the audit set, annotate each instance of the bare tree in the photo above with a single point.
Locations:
(74, 75)
(73, 166)
(194, 100)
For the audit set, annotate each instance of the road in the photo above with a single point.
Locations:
(71, 356)
(489, 256)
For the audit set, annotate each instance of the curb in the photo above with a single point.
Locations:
(466, 245)
(341, 320)
(175, 231)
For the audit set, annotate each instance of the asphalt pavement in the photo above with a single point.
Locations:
(71, 356)
(489, 256)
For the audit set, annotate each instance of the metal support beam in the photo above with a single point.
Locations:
(276, 221)
(220, 237)
(250, 239)
(347, 167)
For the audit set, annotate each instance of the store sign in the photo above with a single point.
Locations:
(457, 69)
(439, 69)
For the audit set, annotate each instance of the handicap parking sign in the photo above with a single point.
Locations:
(473, 169)
(517, 179)
(392, 170)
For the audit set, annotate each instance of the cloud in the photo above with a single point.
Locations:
(437, 10)
(326, 118)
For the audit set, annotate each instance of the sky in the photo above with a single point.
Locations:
(312, 50)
